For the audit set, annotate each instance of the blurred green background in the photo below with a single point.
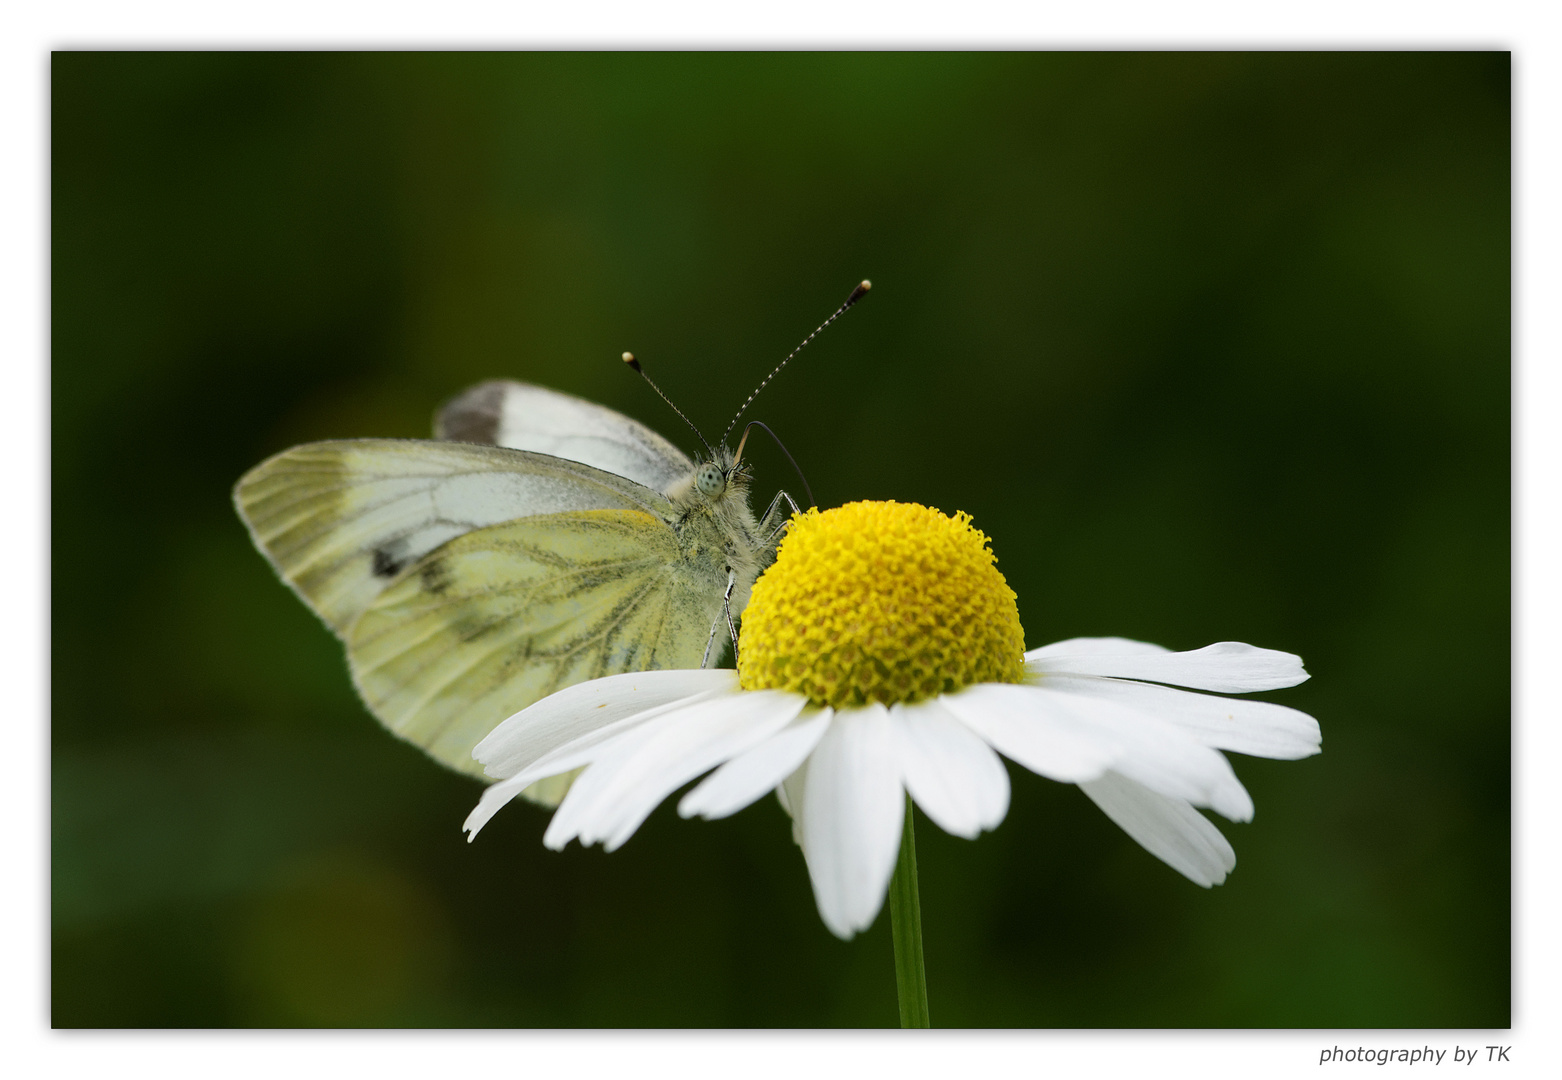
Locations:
(1215, 347)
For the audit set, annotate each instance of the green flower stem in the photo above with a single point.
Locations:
(905, 919)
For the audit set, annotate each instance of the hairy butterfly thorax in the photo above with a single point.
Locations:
(713, 512)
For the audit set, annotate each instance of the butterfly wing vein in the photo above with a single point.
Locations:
(497, 619)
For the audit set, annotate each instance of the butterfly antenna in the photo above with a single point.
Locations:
(629, 358)
(752, 424)
(857, 294)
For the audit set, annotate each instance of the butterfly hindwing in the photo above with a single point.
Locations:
(496, 619)
(341, 520)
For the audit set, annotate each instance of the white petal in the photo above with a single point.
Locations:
(1077, 737)
(1094, 646)
(1229, 667)
(758, 769)
(550, 790)
(495, 797)
(790, 796)
(570, 757)
(1170, 829)
(1259, 728)
(950, 772)
(1036, 728)
(589, 706)
(640, 768)
(1169, 761)
(567, 758)
(853, 809)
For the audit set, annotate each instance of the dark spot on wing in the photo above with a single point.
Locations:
(472, 416)
(387, 564)
(435, 575)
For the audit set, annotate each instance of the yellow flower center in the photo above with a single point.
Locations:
(880, 601)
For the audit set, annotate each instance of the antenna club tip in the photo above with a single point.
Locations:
(865, 285)
(629, 358)
(858, 293)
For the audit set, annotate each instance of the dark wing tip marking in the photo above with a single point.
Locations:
(473, 415)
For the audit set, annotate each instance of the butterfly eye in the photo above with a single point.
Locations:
(710, 480)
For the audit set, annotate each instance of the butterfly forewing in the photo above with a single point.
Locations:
(341, 520)
(503, 412)
(500, 617)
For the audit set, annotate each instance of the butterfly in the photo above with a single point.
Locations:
(539, 540)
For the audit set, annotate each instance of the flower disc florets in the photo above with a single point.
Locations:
(880, 601)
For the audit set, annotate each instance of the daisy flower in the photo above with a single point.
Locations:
(881, 655)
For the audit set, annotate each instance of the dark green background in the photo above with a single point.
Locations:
(1215, 347)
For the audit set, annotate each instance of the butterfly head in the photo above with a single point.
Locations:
(718, 479)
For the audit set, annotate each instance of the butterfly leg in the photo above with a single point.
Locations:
(770, 531)
(705, 660)
(726, 606)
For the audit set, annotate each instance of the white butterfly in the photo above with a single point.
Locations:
(542, 541)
